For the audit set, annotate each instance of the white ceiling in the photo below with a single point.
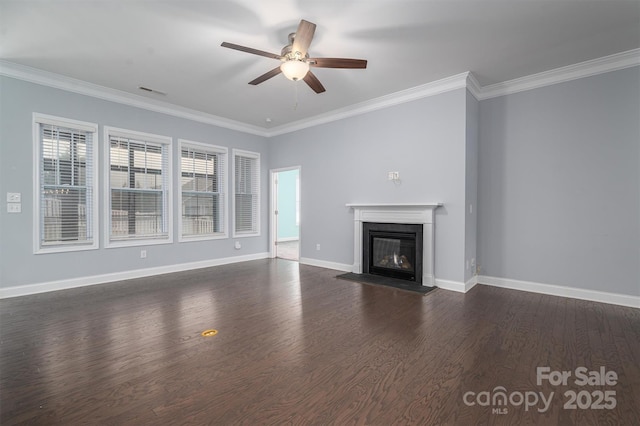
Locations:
(174, 46)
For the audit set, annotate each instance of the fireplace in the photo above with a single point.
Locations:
(418, 214)
(393, 250)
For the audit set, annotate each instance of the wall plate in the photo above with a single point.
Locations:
(14, 197)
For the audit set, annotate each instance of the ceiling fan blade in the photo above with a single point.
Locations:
(250, 50)
(313, 82)
(266, 76)
(337, 63)
(304, 35)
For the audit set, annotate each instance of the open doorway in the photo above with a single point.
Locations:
(285, 213)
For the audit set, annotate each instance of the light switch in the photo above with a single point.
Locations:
(14, 197)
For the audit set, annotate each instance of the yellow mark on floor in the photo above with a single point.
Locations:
(209, 333)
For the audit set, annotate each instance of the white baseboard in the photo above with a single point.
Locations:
(326, 264)
(556, 290)
(24, 290)
(457, 286)
(553, 290)
(471, 283)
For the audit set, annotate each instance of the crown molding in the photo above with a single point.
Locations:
(473, 86)
(617, 61)
(57, 81)
(466, 80)
(437, 87)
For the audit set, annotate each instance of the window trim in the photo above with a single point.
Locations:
(109, 131)
(256, 156)
(39, 119)
(216, 149)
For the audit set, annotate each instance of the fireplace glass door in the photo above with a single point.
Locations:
(393, 250)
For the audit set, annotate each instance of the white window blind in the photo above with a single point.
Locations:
(247, 193)
(202, 184)
(66, 214)
(139, 188)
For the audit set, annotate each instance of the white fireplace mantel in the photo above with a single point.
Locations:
(414, 213)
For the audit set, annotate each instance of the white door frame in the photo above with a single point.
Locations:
(273, 204)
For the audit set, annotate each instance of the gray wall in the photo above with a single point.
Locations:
(347, 161)
(471, 186)
(559, 184)
(557, 194)
(18, 264)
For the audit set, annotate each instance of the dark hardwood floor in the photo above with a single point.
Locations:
(298, 346)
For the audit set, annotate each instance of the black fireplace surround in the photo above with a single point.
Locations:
(392, 249)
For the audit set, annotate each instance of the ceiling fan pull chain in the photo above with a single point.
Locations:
(295, 101)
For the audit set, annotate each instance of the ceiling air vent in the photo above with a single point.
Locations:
(158, 92)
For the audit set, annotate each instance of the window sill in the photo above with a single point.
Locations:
(65, 248)
(190, 238)
(138, 242)
(253, 234)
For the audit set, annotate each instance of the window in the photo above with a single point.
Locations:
(138, 194)
(65, 212)
(202, 191)
(246, 188)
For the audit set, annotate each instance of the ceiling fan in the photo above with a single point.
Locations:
(296, 61)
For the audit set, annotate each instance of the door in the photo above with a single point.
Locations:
(285, 212)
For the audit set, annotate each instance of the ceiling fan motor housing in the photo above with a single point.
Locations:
(289, 55)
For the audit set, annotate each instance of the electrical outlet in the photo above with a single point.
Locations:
(237, 245)
(317, 246)
(143, 254)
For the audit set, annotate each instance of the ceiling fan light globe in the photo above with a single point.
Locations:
(294, 70)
